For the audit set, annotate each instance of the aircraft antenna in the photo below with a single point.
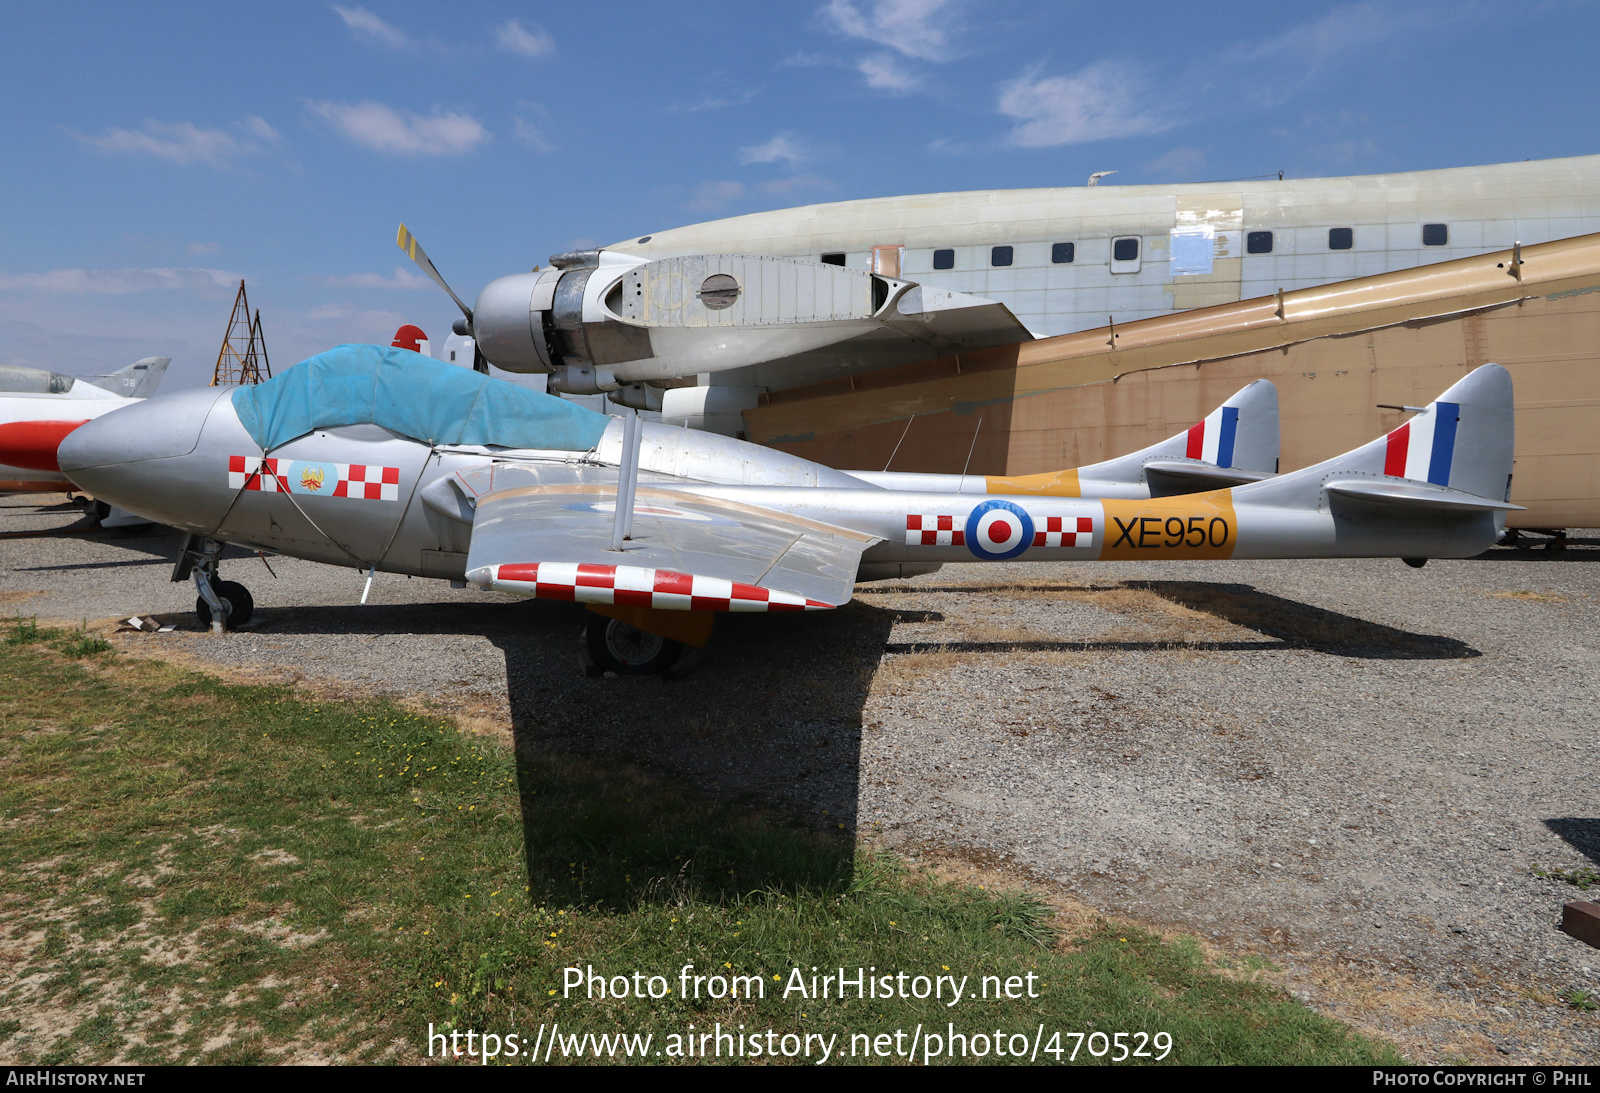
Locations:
(968, 464)
(243, 356)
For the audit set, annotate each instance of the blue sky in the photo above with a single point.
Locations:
(154, 154)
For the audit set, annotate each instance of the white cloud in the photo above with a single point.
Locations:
(370, 324)
(384, 129)
(363, 24)
(513, 37)
(1098, 103)
(525, 132)
(1121, 98)
(795, 182)
(886, 72)
(117, 282)
(785, 146)
(183, 142)
(947, 146)
(403, 278)
(810, 60)
(713, 102)
(1179, 163)
(258, 128)
(711, 196)
(915, 28)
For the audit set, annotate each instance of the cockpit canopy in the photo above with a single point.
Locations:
(413, 395)
(33, 381)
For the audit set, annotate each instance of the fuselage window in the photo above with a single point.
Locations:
(833, 259)
(1000, 256)
(944, 259)
(1435, 235)
(1258, 243)
(1341, 238)
(1125, 250)
(1063, 253)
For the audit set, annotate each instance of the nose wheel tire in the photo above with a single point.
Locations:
(614, 646)
(235, 597)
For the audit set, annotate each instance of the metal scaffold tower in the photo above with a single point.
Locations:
(243, 357)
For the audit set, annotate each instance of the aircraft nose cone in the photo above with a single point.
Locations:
(104, 456)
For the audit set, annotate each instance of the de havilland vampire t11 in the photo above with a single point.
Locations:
(379, 458)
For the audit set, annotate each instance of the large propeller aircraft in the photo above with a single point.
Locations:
(382, 459)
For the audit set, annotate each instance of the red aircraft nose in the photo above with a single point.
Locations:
(33, 444)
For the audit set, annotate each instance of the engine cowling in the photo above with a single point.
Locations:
(598, 321)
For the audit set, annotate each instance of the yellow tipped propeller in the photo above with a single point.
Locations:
(408, 243)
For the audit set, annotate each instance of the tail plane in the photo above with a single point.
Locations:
(1456, 455)
(138, 380)
(1235, 444)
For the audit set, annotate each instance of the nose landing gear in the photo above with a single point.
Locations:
(237, 605)
(221, 605)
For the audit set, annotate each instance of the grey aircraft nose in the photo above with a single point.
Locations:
(111, 456)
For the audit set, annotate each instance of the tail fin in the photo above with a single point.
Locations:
(1462, 440)
(1455, 454)
(1236, 443)
(137, 380)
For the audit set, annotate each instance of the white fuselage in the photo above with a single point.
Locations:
(30, 424)
(1185, 246)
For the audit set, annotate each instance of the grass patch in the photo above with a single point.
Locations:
(77, 643)
(1582, 1001)
(1583, 877)
(199, 871)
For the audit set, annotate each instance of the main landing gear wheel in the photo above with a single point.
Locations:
(235, 597)
(614, 646)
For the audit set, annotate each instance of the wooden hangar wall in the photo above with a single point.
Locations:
(1334, 352)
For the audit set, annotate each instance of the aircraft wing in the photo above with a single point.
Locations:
(960, 320)
(688, 553)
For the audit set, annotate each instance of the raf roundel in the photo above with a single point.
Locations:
(997, 530)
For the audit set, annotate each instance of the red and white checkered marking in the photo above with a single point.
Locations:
(368, 482)
(934, 531)
(251, 472)
(1056, 535)
(358, 480)
(632, 586)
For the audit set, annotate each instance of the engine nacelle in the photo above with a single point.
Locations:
(582, 379)
(506, 320)
(673, 317)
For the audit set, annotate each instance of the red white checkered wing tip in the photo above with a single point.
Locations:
(662, 589)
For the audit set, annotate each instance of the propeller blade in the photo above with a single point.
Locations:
(414, 251)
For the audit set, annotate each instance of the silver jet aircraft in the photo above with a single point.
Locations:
(379, 458)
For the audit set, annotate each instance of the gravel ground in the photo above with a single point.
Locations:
(1354, 768)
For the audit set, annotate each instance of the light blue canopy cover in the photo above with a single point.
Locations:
(415, 396)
